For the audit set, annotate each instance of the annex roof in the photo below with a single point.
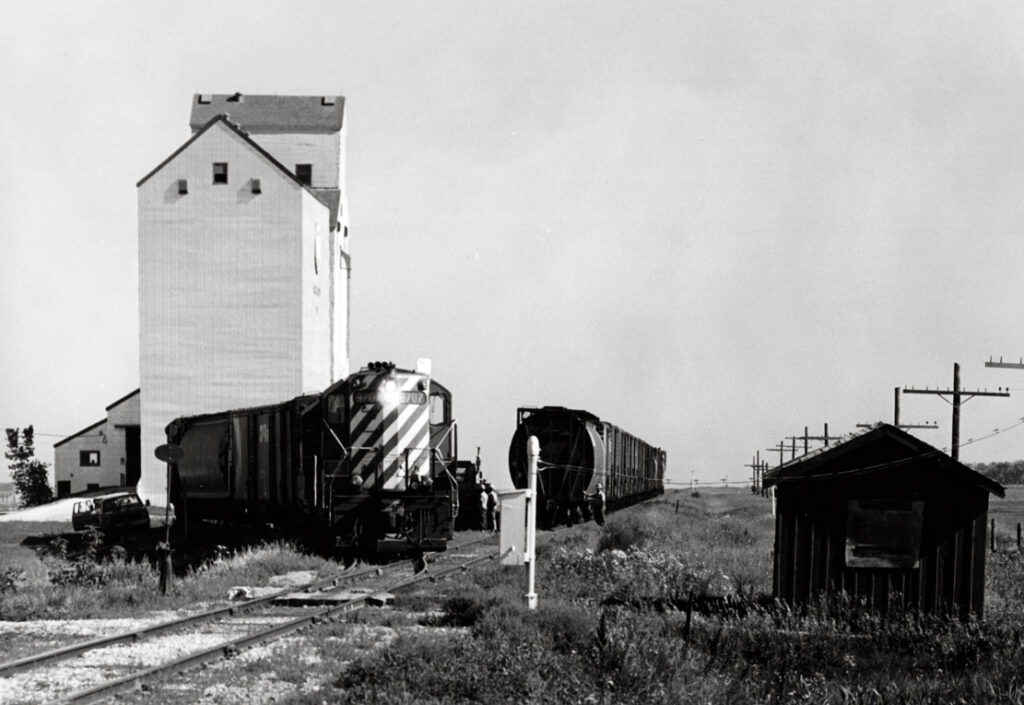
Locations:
(828, 462)
(319, 194)
(271, 113)
(85, 430)
(123, 399)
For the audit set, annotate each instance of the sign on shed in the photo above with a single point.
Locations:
(883, 533)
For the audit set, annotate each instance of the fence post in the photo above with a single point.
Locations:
(689, 616)
(1018, 536)
(992, 538)
(677, 506)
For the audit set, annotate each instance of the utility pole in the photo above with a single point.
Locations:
(753, 472)
(896, 417)
(826, 438)
(756, 478)
(1009, 365)
(957, 395)
(781, 450)
(806, 438)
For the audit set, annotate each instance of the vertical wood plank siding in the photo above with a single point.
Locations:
(810, 552)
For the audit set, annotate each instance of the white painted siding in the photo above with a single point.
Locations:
(125, 413)
(323, 151)
(316, 295)
(221, 289)
(340, 282)
(105, 440)
(340, 363)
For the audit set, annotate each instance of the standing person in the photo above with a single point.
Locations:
(492, 505)
(482, 513)
(597, 504)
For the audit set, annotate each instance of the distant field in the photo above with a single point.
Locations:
(1008, 511)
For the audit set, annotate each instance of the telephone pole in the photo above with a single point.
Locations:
(806, 438)
(1009, 365)
(896, 417)
(957, 396)
(756, 471)
(826, 438)
(781, 450)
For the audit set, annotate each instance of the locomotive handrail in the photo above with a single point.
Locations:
(448, 431)
(335, 437)
(455, 493)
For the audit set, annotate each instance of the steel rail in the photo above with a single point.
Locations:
(228, 648)
(11, 667)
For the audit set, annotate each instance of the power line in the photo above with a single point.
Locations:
(957, 395)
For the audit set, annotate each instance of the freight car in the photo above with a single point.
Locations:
(366, 464)
(579, 451)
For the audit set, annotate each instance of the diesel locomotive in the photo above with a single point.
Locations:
(367, 464)
(578, 452)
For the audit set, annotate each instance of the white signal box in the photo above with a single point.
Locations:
(512, 542)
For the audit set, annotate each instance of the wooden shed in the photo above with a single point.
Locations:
(886, 519)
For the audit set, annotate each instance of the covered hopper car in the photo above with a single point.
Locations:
(578, 452)
(367, 464)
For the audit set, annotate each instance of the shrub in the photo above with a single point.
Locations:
(56, 546)
(10, 578)
(621, 533)
(464, 610)
(91, 543)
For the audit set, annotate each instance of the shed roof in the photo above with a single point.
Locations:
(271, 113)
(827, 462)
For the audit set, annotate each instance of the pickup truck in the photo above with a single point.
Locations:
(119, 512)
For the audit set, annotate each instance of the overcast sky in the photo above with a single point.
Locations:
(710, 224)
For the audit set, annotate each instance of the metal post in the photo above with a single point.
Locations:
(166, 567)
(533, 456)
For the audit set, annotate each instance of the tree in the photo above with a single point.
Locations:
(30, 475)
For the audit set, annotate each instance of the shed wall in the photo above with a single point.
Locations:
(810, 552)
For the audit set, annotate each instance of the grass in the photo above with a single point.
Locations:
(611, 625)
(611, 628)
(50, 575)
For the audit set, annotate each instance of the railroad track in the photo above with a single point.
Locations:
(214, 634)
